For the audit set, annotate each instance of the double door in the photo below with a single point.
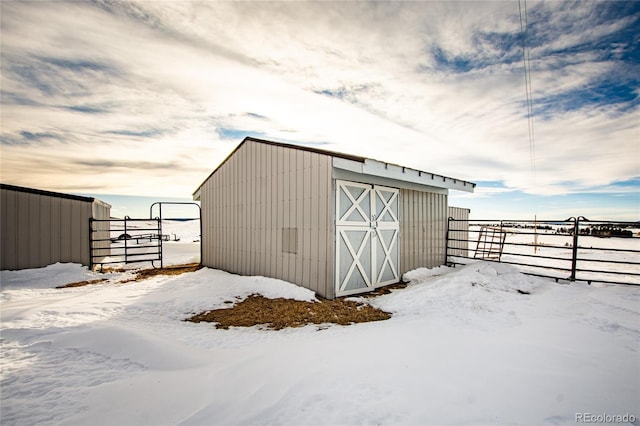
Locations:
(367, 229)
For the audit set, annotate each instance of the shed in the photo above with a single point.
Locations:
(334, 223)
(39, 227)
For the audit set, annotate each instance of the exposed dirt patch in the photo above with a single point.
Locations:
(82, 283)
(168, 270)
(107, 269)
(280, 313)
(142, 274)
(383, 290)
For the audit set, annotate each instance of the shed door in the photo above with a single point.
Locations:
(367, 230)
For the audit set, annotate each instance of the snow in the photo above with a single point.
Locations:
(463, 347)
(187, 248)
(50, 276)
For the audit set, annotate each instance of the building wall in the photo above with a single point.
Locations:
(268, 211)
(423, 226)
(458, 231)
(38, 230)
(101, 231)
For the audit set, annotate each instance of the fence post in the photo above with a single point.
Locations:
(160, 240)
(574, 247)
(125, 240)
(446, 247)
(502, 234)
(574, 255)
(160, 233)
(91, 244)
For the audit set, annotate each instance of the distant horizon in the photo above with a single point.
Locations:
(138, 206)
(507, 205)
(482, 208)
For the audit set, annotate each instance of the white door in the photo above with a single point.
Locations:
(387, 227)
(367, 230)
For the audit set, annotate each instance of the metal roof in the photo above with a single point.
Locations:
(50, 193)
(365, 165)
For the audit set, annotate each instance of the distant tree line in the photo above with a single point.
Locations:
(600, 230)
(527, 226)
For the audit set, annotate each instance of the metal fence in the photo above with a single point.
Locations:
(117, 241)
(575, 249)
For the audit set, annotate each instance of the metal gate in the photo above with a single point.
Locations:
(490, 243)
(367, 229)
(125, 240)
(573, 249)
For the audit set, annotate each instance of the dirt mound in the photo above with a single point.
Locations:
(280, 313)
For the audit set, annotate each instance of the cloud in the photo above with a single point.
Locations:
(86, 109)
(142, 133)
(437, 86)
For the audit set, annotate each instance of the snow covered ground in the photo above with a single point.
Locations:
(463, 347)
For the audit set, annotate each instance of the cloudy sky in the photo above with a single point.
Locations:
(146, 98)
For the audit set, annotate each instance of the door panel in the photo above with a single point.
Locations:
(354, 268)
(353, 204)
(367, 230)
(386, 205)
(386, 253)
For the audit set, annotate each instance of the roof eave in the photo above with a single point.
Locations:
(393, 171)
(36, 191)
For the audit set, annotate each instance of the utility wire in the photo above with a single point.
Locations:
(526, 61)
(527, 85)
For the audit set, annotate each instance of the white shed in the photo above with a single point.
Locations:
(337, 224)
(39, 227)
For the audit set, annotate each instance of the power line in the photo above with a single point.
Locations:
(526, 61)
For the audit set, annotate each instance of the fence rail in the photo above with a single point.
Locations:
(115, 241)
(575, 249)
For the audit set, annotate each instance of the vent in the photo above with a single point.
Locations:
(290, 240)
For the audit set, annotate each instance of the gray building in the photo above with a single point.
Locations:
(39, 228)
(334, 223)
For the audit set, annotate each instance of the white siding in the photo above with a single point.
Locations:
(259, 194)
(38, 230)
(458, 231)
(423, 225)
(101, 230)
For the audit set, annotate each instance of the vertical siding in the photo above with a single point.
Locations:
(259, 191)
(423, 221)
(23, 237)
(280, 224)
(45, 231)
(458, 231)
(65, 230)
(290, 168)
(38, 230)
(9, 227)
(54, 243)
(101, 211)
(33, 222)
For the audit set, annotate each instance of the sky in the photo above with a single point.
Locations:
(118, 99)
